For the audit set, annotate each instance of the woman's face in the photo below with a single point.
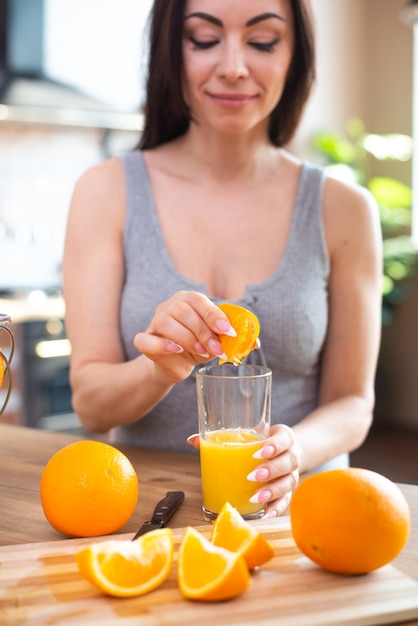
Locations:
(236, 57)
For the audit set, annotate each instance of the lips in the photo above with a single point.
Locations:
(231, 100)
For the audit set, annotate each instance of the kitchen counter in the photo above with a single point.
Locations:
(25, 451)
(33, 305)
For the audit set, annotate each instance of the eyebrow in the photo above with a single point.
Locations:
(217, 22)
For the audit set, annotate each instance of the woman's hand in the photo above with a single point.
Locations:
(183, 332)
(280, 471)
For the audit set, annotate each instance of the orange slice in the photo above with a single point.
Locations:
(207, 572)
(232, 532)
(128, 568)
(247, 327)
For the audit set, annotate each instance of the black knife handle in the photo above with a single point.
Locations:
(166, 508)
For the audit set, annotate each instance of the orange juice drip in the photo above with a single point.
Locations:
(226, 459)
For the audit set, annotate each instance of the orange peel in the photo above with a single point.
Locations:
(247, 328)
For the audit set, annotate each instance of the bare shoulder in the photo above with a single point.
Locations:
(101, 178)
(98, 202)
(351, 215)
(341, 197)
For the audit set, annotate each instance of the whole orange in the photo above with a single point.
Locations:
(88, 488)
(349, 521)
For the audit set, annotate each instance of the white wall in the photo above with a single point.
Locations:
(339, 93)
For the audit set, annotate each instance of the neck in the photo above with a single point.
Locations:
(227, 157)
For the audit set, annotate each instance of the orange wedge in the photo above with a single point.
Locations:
(128, 568)
(247, 327)
(207, 572)
(232, 532)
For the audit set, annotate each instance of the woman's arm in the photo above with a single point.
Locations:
(346, 395)
(108, 391)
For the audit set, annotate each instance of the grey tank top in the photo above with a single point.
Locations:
(292, 306)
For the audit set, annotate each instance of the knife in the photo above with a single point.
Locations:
(163, 512)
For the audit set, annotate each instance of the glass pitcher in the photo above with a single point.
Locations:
(5, 358)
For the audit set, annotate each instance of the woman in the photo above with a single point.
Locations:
(213, 208)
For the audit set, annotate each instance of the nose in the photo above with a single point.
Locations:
(233, 64)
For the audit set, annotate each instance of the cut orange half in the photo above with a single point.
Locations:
(207, 572)
(247, 327)
(232, 532)
(128, 568)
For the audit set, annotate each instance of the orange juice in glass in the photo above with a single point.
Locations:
(234, 418)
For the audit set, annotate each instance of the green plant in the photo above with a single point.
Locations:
(348, 157)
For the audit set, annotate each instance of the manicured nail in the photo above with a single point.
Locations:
(259, 475)
(174, 347)
(261, 496)
(270, 514)
(266, 452)
(225, 328)
(200, 350)
(257, 344)
(215, 347)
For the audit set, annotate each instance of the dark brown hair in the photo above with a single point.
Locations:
(166, 113)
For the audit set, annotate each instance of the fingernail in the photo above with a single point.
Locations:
(215, 347)
(261, 496)
(266, 452)
(257, 344)
(258, 475)
(174, 347)
(200, 350)
(270, 514)
(225, 328)
(191, 438)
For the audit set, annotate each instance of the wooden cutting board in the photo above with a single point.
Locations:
(40, 584)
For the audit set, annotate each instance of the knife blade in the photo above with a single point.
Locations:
(163, 512)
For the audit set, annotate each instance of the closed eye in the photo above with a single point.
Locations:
(267, 46)
(203, 45)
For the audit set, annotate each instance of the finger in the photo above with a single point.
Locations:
(184, 327)
(276, 489)
(194, 440)
(286, 464)
(281, 439)
(154, 346)
(212, 315)
(182, 320)
(278, 507)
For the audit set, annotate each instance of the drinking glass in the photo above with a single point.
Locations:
(7, 345)
(234, 405)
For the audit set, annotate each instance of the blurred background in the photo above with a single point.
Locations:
(71, 86)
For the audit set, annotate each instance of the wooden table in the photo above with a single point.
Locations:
(24, 453)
